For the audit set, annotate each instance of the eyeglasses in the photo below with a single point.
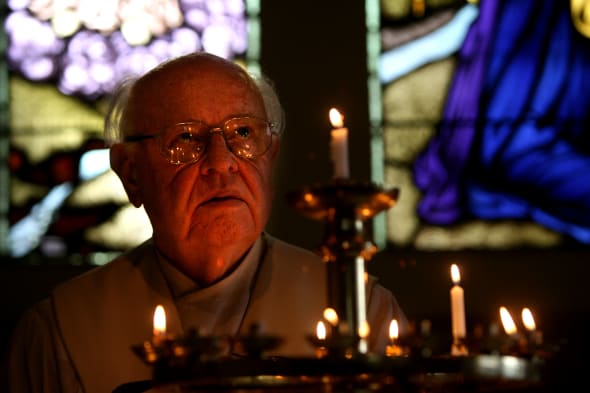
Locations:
(185, 143)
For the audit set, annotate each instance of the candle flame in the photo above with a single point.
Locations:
(527, 319)
(364, 329)
(308, 197)
(507, 321)
(321, 331)
(159, 321)
(366, 212)
(336, 119)
(393, 330)
(331, 316)
(455, 274)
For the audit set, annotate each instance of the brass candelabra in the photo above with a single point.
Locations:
(345, 206)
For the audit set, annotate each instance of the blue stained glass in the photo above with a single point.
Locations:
(526, 155)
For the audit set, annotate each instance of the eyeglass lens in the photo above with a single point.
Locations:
(246, 137)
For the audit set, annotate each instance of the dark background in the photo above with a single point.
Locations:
(315, 53)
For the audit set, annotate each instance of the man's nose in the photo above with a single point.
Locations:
(218, 156)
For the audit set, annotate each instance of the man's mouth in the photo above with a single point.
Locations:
(222, 200)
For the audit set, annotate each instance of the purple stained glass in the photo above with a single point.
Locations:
(90, 62)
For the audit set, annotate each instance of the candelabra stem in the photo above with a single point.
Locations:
(346, 292)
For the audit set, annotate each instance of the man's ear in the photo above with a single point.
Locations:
(123, 164)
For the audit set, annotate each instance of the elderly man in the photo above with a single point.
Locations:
(194, 141)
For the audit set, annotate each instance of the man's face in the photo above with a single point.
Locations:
(220, 202)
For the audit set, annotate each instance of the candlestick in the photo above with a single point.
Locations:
(339, 145)
(345, 206)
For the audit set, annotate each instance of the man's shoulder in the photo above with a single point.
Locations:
(283, 249)
(118, 269)
(288, 261)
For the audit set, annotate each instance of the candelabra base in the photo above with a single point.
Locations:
(357, 374)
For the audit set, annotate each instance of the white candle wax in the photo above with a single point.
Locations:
(339, 145)
(457, 305)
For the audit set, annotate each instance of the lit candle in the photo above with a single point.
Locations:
(339, 144)
(527, 319)
(364, 330)
(159, 323)
(393, 349)
(457, 305)
(393, 330)
(321, 350)
(321, 331)
(331, 316)
(535, 335)
(507, 321)
(515, 343)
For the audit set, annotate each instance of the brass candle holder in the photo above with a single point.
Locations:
(345, 206)
(254, 344)
(334, 346)
(190, 346)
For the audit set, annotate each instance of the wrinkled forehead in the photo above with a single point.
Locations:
(191, 88)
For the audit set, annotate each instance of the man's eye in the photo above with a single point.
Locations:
(244, 132)
(185, 137)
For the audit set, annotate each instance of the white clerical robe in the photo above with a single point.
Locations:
(80, 339)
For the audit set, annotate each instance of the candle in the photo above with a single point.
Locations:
(535, 335)
(393, 330)
(159, 323)
(515, 343)
(339, 145)
(331, 316)
(507, 321)
(393, 349)
(364, 330)
(527, 319)
(321, 350)
(321, 331)
(457, 305)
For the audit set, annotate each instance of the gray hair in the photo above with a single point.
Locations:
(112, 132)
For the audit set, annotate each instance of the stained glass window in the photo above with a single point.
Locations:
(481, 114)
